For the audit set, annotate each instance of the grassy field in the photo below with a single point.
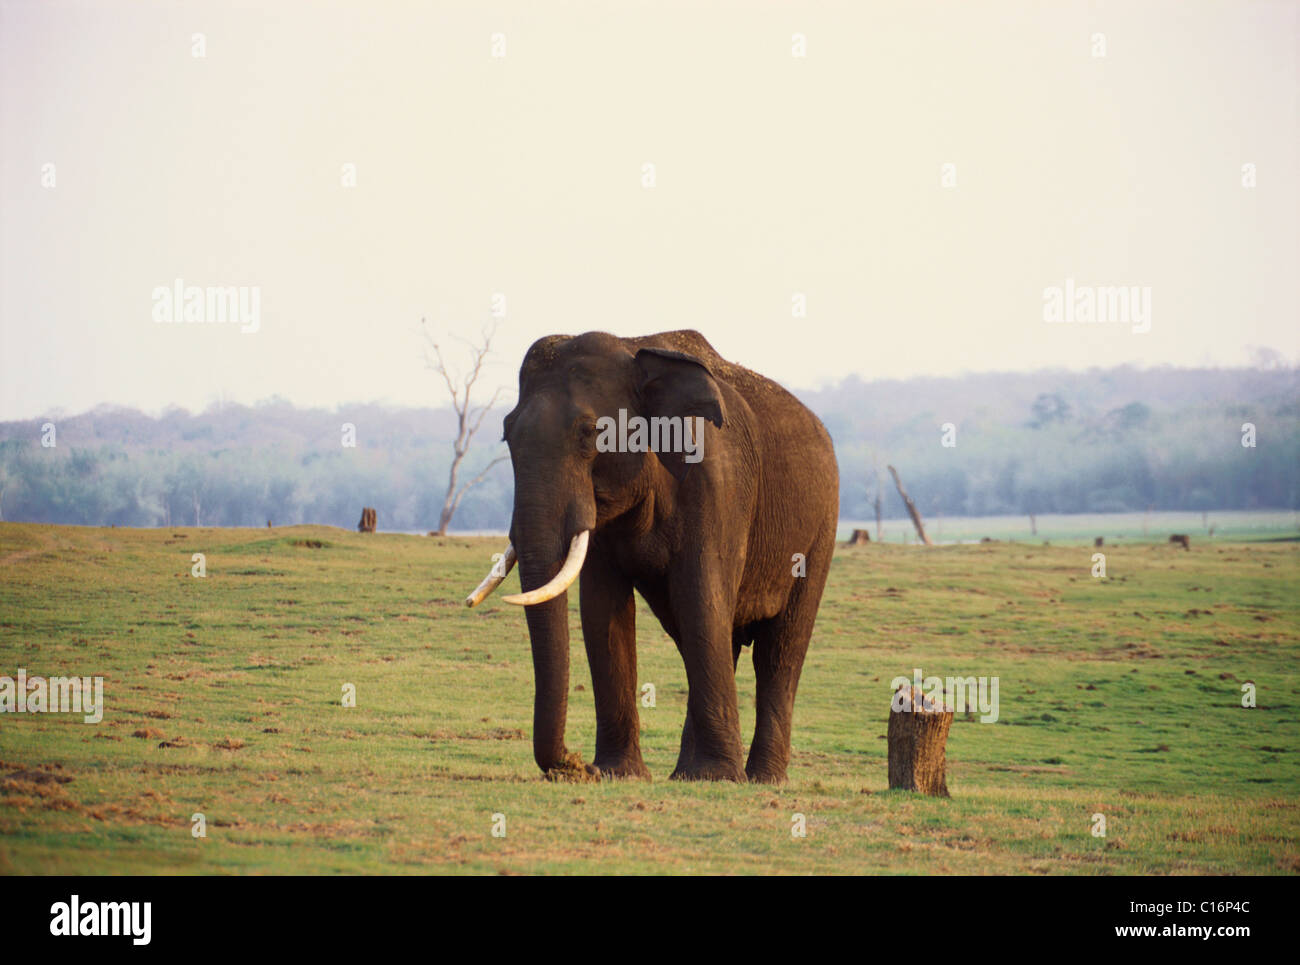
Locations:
(1119, 696)
(1082, 528)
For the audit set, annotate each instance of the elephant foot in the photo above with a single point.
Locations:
(706, 770)
(622, 767)
(768, 761)
(765, 775)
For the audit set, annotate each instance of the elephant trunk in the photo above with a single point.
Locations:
(542, 551)
(548, 629)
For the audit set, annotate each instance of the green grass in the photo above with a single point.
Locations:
(1119, 696)
(1082, 528)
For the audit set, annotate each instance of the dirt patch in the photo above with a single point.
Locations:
(1029, 770)
(35, 788)
(495, 734)
(36, 777)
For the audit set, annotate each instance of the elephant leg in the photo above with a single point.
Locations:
(778, 659)
(711, 736)
(686, 757)
(780, 645)
(609, 633)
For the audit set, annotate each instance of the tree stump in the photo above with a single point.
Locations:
(369, 519)
(917, 735)
(859, 537)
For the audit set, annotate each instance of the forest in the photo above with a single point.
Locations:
(1112, 440)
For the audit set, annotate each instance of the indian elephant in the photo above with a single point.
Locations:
(729, 543)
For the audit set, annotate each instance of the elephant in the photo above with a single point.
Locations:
(726, 532)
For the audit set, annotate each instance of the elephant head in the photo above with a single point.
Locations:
(569, 483)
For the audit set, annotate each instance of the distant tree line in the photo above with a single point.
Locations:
(1110, 441)
(244, 466)
(1048, 442)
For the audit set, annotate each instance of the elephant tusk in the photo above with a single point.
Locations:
(500, 570)
(561, 581)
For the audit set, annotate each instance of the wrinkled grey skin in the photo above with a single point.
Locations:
(712, 553)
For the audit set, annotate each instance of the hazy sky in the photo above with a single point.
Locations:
(523, 175)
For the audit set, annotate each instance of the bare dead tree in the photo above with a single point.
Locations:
(911, 507)
(879, 528)
(874, 491)
(468, 416)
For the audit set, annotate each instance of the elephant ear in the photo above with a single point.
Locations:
(674, 384)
